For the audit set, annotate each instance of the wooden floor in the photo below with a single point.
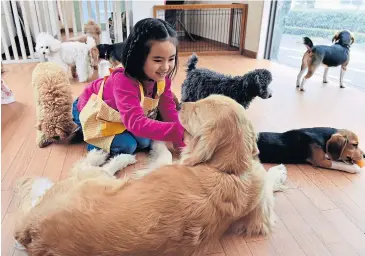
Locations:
(322, 212)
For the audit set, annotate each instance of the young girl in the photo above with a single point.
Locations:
(137, 91)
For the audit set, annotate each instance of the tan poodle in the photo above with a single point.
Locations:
(53, 103)
(91, 28)
(176, 209)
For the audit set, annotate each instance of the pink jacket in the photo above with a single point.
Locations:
(122, 94)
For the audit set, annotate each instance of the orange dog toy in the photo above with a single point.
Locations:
(361, 163)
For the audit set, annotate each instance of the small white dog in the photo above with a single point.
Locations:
(67, 53)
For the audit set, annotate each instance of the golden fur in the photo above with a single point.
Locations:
(174, 210)
(53, 103)
(91, 28)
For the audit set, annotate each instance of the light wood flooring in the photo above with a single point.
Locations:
(322, 212)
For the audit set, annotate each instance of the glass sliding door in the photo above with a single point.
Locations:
(291, 20)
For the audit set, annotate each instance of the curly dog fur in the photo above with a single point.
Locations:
(91, 28)
(53, 103)
(201, 83)
(221, 185)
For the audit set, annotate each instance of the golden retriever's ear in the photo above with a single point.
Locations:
(201, 147)
(335, 146)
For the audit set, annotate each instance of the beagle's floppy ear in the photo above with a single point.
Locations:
(335, 146)
(335, 37)
(352, 38)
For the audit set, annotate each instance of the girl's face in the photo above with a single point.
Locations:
(160, 61)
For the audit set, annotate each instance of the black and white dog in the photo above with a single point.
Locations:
(330, 56)
(201, 82)
(111, 53)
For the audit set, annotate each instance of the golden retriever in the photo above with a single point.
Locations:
(176, 209)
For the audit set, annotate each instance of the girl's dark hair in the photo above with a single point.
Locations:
(137, 48)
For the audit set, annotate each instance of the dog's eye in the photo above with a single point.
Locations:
(46, 47)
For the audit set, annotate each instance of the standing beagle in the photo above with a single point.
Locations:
(321, 146)
(330, 56)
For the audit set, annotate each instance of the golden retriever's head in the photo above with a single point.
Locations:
(344, 146)
(218, 134)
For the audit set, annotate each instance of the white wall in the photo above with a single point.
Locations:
(264, 29)
(144, 9)
(253, 29)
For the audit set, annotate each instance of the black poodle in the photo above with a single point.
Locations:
(201, 82)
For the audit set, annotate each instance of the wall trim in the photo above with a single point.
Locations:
(250, 54)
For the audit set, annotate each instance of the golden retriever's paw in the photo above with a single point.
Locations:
(278, 174)
(159, 155)
(96, 157)
(118, 163)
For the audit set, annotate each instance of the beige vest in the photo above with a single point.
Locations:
(100, 123)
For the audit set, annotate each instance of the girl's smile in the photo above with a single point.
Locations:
(161, 60)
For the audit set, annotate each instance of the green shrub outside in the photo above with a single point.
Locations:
(323, 23)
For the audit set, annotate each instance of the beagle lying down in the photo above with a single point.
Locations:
(321, 146)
